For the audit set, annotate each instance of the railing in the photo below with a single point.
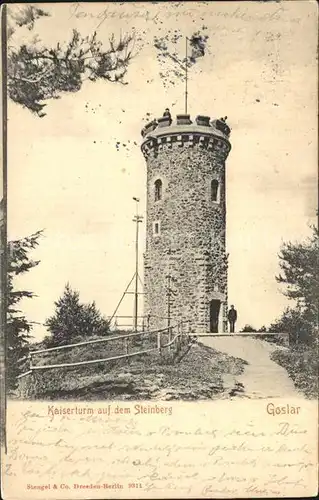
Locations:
(175, 333)
(143, 325)
(281, 335)
(175, 341)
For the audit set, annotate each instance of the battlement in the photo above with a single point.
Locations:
(212, 135)
(219, 125)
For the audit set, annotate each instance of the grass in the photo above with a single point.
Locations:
(195, 373)
(301, 363)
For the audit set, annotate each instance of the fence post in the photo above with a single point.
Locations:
(126, 348)
(159, 342)
(148, 322)
(178, 340)
(188, 330)
(30, 360)
(115, 327)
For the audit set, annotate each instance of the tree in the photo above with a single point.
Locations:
(37, 73)
(18, 326)
(72, 318)
(299, 263)
(23, 16)
(300, 273)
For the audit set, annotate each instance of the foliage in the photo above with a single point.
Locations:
(299, 263)
(249, 328)
(170, 46)
(72, 318)
(18, 327)
(298, 324)
(300, 273)
(24, 16)
(37, 73)
(301, 363)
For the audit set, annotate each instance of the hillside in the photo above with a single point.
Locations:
(301, 363)
(197, 372)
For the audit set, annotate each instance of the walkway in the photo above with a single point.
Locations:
(262, 377)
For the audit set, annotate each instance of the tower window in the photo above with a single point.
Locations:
(215, 190)
(158, 189)
(156, 228)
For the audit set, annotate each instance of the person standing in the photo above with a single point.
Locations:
(232, 318)
(168, 114)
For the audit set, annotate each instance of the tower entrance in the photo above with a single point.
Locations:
(214, 308)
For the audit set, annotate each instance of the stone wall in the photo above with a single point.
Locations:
(189, 249)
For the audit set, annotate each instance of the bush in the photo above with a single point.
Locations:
(301, 363)
(72, 319)
(47, 342)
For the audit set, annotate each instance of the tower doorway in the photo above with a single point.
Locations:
(214, 309)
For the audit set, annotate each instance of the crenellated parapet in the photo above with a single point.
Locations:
(165, 133)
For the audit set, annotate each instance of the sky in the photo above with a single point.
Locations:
(66, 176)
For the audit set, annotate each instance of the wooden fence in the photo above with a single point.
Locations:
(175, 334)
(169, 338)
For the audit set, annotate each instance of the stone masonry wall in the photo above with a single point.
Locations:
(190, 246)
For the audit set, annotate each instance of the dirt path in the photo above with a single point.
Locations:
(262, 377)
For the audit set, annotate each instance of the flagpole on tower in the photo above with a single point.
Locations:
(186, 76)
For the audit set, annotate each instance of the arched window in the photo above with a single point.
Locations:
(214, 189)
(158, 189)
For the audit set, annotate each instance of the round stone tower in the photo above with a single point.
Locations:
(185, 261)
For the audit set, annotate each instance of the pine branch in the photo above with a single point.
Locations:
(36, 75)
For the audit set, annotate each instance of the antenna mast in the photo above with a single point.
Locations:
(137, 219)
(186, 76)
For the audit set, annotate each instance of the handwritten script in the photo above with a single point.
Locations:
(153, 14)
(203, 450)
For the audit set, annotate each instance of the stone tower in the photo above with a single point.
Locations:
(185, 261)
